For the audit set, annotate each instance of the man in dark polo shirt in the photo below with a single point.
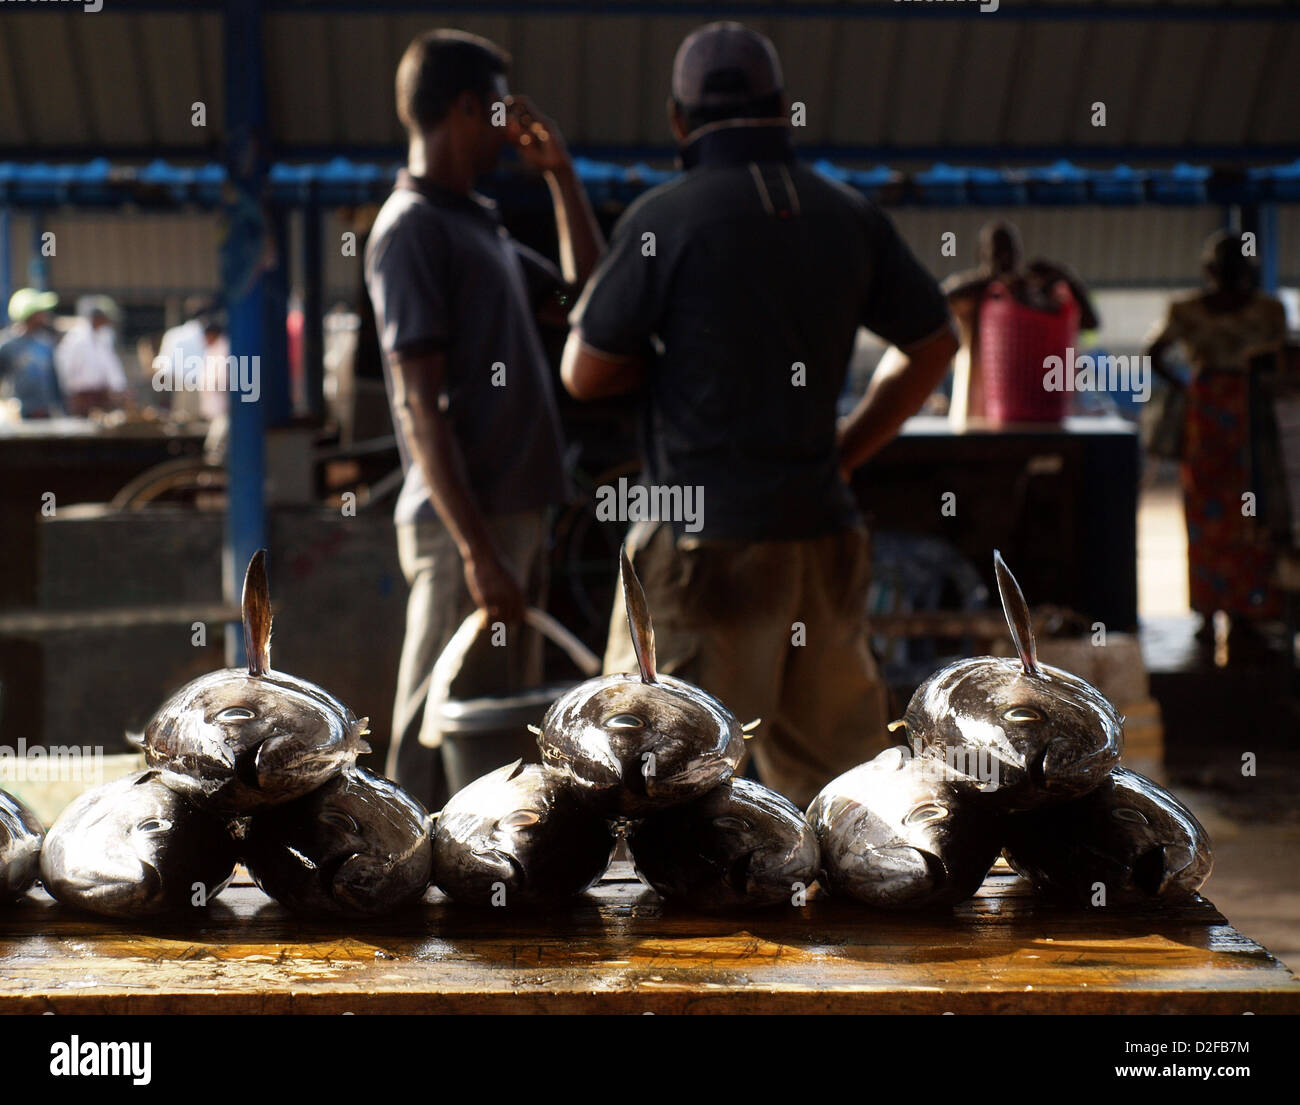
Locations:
(455, 299)
(731, 296)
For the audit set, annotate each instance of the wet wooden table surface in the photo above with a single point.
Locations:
(620, 950)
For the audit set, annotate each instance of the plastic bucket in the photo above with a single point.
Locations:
(479, 735)
(1015, 341)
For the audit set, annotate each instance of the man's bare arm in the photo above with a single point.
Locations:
(417, 387)
(541, 146)
(589, 373)
(581, 243)
(901, 383)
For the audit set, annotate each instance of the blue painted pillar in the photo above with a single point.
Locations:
(1266, 236)
(244, 285)
(6, 246)
(313, 337)
(277, 393)
(38, 265)
(1260, 219)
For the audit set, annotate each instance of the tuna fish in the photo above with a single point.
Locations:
(235, 741)
(517, 837)
(636, 743)
(358, 846)
(900, 832)
(1022, 733)
(135, 848)
(740, 846)
(20, 848)
(1129, 842)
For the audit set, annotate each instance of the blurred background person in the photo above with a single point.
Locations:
(202, 335)
(90, 371)
(455, 301)
(1041, 286)
(27, 371)
(1221, 328)
(179, 343)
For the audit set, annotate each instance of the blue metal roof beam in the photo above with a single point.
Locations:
(340, 183)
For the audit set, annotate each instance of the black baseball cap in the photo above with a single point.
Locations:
(725, 64)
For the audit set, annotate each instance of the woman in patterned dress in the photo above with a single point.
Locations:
(1222, 328)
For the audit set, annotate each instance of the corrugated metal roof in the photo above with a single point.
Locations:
(122, 82)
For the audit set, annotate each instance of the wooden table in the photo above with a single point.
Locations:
(620, 950)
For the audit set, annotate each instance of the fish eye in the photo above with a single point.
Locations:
(154, 825)
(236, 713)
(1022, 713)
(1136, 817)
(340, 820)
(736, 824)
(624, 721)
(520, 819)
(921, 815)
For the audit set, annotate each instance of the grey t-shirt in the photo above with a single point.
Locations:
(444, 275)
(742, 284)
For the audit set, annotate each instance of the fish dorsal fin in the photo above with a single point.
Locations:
(638, 617)
(257, 615)
(1017, 614)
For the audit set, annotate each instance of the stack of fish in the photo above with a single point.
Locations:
(646, 753)
(1001, 755)
(251, 764)
(1007, 755)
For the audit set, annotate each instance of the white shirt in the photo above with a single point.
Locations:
(86, 359)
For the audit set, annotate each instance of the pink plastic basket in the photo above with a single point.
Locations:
(1015, 340)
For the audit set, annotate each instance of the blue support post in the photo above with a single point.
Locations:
(6, 244)
(1267, 245)
(277, 393)
(244, 285)
(38, 268)
(313, 337)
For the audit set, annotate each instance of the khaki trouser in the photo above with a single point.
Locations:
(776, 630)
(438, 603)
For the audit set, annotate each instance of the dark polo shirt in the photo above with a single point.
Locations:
(444, 275)
(727, 279)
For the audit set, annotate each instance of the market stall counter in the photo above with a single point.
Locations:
(620, 949)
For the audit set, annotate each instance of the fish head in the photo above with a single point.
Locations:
(133, 847)
(761, 838)
(499, 818)
(381, 842)
(18, 825)
(243, 741)
(894, 817)
(111, 841)
(1147, 836)
(642, 745)
(644, 740)
(740, 845)
(236, 740)
(21, 836)
(1024, 731)
(1129, 837)
(359, 844)
(519, 829)
(1024, 738)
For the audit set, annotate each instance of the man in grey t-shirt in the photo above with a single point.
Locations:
(455, 300)
(737, 329)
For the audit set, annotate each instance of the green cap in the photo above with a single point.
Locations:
(26, 302)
